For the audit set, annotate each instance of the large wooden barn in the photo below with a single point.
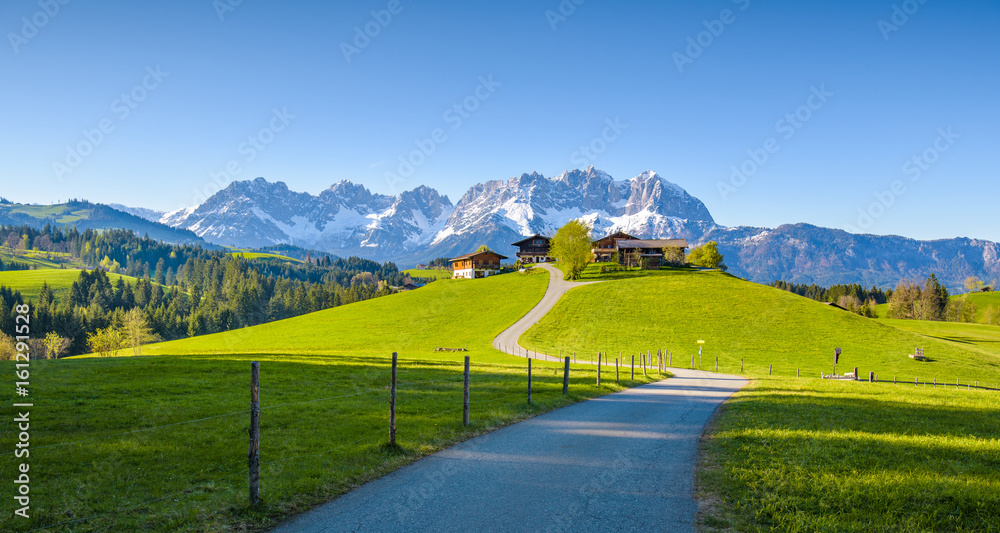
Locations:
(605, 247)
(635, 252)
(534, 249)
(477, 264)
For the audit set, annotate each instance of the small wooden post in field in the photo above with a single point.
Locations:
(254, 454)
(644, 364)
(856, 376)
(566, 376)
(465, 394)
(871, 377)
(769, 367)
(741, 365)
(716, 363)
(796, 372)
(616, 370)
(392, 404)
(692, 360)
(598, 369)
(671, 357)
(529, 380)
(957, 382)
(632, 374)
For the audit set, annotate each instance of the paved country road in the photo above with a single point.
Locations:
(621, 462)
(507, 341)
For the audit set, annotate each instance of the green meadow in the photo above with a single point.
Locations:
(433, 273)
(159, 443)
(38, 259)
(805, 454)
(788, 454)
(29, 282)
(266, 257)
(770, 330)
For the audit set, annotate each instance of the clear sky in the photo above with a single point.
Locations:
(823, 105)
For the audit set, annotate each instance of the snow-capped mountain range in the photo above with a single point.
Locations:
(418, 225)
(349, 219)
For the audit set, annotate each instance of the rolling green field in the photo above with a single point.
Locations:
(266, 257)
(761, 325)
(160, 443)
(29, 282)
(37, 259)
(979, 337)
(428, 274)
(806, 454)
(813, 455)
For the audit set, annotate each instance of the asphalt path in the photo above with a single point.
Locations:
(507, 341)
(621, 462)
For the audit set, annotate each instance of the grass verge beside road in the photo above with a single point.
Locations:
(813, 455)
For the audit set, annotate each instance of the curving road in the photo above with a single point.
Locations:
(507, 341)
(621, 462)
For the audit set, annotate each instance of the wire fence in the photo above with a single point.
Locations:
(491, 386)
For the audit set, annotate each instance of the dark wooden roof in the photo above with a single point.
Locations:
(616, 235)
(653, 243)
(533, 237)
(476, 254)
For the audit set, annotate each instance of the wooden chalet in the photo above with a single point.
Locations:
(477, 264)
(605, 247)
(648, 250)
(534, 249)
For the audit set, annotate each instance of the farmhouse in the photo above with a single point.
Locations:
(635, 252)
(605, 247)
(534, 249)
(477, 264)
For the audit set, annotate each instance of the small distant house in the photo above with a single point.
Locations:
(605, 247)
(477, 264)
(534, 249)
(632, 252)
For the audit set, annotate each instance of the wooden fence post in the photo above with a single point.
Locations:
(632, 375)
(598, 369)
(716, 363)
(741, 365)
(856, 376)
(529, 380)
(392, 404)
(769, 367)
(644, 365)
(465, 394)
(796, 372)
(616, 370)
(566, 376)
(871, 377)
(254, 454)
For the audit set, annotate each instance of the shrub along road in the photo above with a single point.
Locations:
(620, 462)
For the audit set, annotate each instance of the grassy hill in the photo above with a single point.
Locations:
(37, 259)
(741, 320)
(804, 454)
(266, 257)
(29, 282)
(160, 443)
(85, 215)
(428, 274)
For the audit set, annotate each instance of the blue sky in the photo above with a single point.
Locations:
(820, 106)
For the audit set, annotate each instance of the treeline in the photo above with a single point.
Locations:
(852, 297)
(912, 300)
(13, 265)
(928, 301)
(182, 290)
